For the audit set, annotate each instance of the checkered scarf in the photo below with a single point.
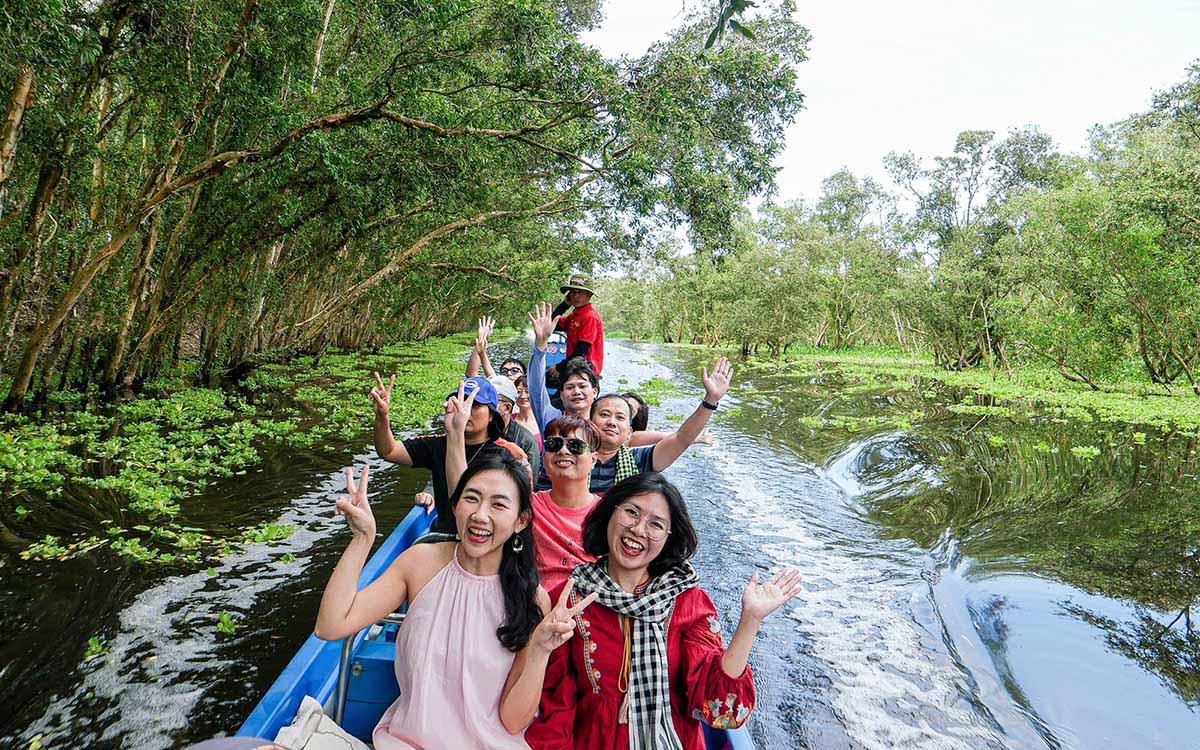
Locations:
(649, 695)
(626, 464)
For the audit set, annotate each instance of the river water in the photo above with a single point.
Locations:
(975, 577)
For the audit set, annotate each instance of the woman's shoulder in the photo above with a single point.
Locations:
(693, 603)
(425, 560)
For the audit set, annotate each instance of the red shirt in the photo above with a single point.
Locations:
(558, 538)
(584, 324)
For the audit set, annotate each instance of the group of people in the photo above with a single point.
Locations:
(553, 603)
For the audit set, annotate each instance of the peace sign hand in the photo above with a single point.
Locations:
(761, 599)
(716, 385)
(558, 625)
(544, 323)
(381, 395)
(458, 410)
(355, 507)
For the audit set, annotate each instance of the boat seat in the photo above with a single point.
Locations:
(371, 686)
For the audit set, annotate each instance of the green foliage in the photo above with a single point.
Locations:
(239, 203)
(1011, 255)
(96, 648)
(226, 624)
(150, 455)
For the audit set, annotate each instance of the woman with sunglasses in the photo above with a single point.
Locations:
(570, 445)
(649, 665)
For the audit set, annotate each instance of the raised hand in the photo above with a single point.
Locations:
(558, 625)
(544, 321)
(486, 326)
(425, 500)
(458, 410)
(355, 507)
(716, 385)
(381, 395)
(761, 599)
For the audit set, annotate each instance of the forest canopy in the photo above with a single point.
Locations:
(1001, 250)
(234, 181)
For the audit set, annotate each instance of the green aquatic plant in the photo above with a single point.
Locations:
(267, 532)
(1086, 452)
(96, 648)
(154, 452)
(226, 624)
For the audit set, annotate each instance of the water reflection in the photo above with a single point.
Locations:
(1064, 554)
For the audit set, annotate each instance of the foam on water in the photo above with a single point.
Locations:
(892, 683)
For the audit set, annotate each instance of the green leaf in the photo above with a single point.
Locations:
(739, 28)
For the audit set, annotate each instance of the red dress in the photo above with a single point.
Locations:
(580, 700)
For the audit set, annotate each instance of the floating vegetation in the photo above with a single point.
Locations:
(96, 648)
(226, 624)
(151, 454)
(656, 389)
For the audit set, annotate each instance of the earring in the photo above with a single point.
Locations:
(517, 543)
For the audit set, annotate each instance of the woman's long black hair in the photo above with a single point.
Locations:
(518, 570)
(642, 418)
(681, 543)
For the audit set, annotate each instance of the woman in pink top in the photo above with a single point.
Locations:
(558, 513)
(474, 606)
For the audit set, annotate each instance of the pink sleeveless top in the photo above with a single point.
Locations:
(451, 668)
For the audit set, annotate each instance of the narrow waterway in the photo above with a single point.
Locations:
(976, 577)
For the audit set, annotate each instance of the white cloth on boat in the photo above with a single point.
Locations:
(313, 730)
(451, 668)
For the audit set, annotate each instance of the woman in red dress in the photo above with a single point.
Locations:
(648, 666)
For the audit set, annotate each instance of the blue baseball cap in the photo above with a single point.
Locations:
(486, 392)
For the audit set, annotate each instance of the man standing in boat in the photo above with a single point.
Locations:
(583, 326)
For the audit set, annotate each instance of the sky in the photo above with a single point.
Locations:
(909, 76)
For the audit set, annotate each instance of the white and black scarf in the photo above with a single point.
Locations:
(649, 695)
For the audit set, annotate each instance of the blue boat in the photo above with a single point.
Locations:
(354, 679)
(556, 351)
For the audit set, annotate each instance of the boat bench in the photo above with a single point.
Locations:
(371, 686)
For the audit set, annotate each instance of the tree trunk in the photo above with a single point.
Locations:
(316, 65)
(133, 297)
(42, 333)
(19, 101)
(98, 161)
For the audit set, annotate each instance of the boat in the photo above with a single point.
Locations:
(556, 351)
(354, 679)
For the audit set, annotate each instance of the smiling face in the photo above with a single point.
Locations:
(611, 417)
(562, 465)
(577, 395)
(488, 513)
(638, 531)
(523, 402)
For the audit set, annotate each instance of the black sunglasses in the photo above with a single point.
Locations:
(511, 370)
(576, 446)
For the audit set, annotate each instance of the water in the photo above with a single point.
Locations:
(969, 581)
